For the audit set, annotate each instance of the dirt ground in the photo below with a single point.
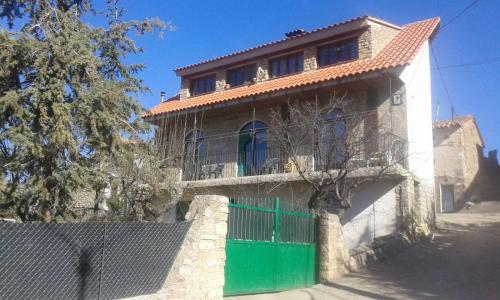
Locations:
(461, 262)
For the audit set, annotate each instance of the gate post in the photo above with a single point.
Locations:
(276, 219)
(333, 255)
(198, 270)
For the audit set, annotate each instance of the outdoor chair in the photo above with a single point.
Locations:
(271, 166)
(212, 171)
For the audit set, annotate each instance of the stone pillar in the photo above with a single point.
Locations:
(220, 80)
(310, 60)
(198, 270)
(262, 73)
(415, 214)
(184, 91)
(364, 45)
(333, 254)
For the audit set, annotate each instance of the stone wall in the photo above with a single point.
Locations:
(198, 270)
(458, 161)
(184, 91)
(310, 61)
(416, 208)
(380, 36)
(364, 45)
(333, 257)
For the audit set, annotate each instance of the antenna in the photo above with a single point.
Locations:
(437, 111)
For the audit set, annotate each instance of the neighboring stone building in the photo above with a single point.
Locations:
(384, 67)
(462, 172)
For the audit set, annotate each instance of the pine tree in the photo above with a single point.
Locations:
(67, 99)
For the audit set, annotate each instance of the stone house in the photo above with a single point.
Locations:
(462, 173)
(385, 70)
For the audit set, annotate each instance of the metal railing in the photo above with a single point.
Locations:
(386, 150)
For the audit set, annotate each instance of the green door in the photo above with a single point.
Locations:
(268, 249)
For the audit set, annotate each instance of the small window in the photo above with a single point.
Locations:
(338, 52)
(203, 85)
(240, 76)
(287, 64)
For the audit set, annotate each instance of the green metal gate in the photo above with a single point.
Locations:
(271, 246)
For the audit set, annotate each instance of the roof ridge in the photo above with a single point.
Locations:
(276, 42)
(400, 51)
(422, 21)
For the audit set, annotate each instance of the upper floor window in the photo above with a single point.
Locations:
(337, 52)
(203, 85)
(287, 64)
(242, 75)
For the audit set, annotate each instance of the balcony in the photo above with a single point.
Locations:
(384, 151)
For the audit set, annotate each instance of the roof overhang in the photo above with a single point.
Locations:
(278, 46)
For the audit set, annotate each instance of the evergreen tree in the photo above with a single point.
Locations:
(67, 99)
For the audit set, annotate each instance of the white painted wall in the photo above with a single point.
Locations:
(417, 79)
(373, 214)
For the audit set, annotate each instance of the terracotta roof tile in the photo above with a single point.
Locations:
(399, 52)
(457, 121)
(272, 43)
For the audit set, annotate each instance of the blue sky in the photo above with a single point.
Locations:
(206, 29)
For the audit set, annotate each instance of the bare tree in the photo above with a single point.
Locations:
(326, 143)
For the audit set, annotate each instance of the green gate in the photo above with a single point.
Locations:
(271, 246)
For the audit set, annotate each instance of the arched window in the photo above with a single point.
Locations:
(252, 149)
(194, 154)
(333, 137)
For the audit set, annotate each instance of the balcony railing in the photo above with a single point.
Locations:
(387, 150)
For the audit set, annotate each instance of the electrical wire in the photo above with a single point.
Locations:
(459, 14)
(472, 63)
(443, 82)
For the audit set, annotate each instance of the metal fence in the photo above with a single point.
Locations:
(270, 220)
(383, 151)
(86, 261)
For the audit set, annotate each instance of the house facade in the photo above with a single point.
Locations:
(462, 172)
(222, 116)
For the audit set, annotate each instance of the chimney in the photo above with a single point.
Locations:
(162, 97)
(294, 33)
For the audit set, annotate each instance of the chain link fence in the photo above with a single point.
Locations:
(86, 260)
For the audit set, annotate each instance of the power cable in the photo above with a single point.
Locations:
(460, 14)
(444, 84)
(472, 63)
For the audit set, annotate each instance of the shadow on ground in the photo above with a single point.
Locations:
(462, 261)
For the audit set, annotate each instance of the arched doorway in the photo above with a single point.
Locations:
(194, 154)
(252, 148)
(333, 149)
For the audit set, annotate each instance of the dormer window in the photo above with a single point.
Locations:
(288, 64)
(242, 75)
(203, 85)
(337, 52)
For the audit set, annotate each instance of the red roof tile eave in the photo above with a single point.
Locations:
(260, 93)
(399, 52)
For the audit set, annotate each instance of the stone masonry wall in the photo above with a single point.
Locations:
(416, 208)
(184, 92)
(310, 61)
(198, 270)
(262, 70)
(364, 45)
(380, 36)
(333, 255)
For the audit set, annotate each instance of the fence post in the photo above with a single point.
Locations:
(276, 219)
(102, 261)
